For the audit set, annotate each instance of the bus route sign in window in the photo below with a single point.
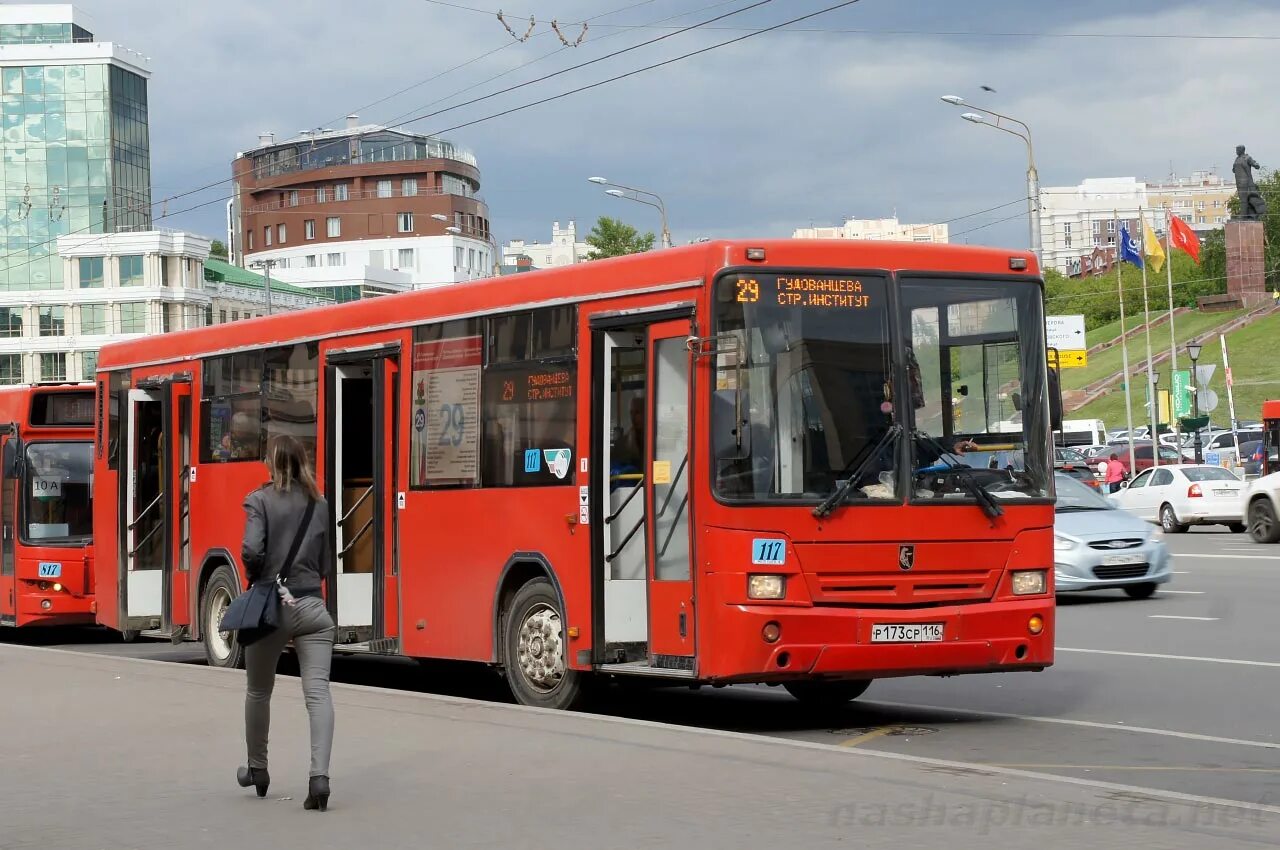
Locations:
(444, 444)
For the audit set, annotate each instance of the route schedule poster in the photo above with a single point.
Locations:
(445, 446)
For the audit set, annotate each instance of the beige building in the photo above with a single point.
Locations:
(564, 249)
(884, 229)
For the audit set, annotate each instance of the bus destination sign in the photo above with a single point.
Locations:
(824, 293)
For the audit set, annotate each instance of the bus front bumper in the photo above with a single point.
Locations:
(38, 607)
(985, 637)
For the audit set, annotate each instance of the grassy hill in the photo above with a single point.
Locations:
(1185, 327)
(1255, 365)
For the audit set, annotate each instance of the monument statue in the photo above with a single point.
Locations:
(1252, 206)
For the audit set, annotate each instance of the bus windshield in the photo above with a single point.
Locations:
(57, 492)
(803, 386)
(976, 355)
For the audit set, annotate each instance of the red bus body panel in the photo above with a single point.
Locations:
(452, 547)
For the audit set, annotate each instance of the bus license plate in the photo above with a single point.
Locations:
(1121, 560)
(50, 569)
(906, 632)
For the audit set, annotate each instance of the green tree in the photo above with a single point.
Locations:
(611, 237)
(217, 249)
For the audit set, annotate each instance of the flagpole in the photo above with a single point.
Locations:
(1124, 346)
(1146, 318)
(1173, 337)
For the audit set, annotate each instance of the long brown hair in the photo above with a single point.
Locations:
(287, 460)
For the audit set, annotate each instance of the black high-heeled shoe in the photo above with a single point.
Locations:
(317, 793)
(255, 776)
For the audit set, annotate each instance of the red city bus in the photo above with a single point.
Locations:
(1270, 437)
(722, 463)
(46, 490)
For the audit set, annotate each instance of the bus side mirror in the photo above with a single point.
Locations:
(12, 457)
(1055, 401)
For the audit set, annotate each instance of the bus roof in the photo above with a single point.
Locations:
(672, 268)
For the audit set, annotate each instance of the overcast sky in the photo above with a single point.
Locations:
(782, 130)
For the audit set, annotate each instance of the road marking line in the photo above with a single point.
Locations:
(1177, 617)
(869, 736)
(791, 743)
(1165, 657)
(1187, 768)
(1087, 724)
(1244, 557)
(1187, 592)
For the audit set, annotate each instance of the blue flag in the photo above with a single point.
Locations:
(1130, 250)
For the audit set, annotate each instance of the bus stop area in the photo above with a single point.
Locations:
(110, 754)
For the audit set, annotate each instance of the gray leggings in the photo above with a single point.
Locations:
(311, 628)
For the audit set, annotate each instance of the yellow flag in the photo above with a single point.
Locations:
(1151, 247)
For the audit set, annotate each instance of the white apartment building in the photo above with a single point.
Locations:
(564, 249)
(121, 286)
(1077, 220)
(887, 229)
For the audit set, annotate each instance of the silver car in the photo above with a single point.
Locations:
(1096, 545)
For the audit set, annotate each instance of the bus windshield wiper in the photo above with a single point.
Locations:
(965, 474)
(838, 495)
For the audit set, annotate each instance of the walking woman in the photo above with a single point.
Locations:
(1115, 473)
(275, 514)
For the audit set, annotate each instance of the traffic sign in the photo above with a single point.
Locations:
(1065, 332)
(1182, 393)
(1073, 358)
(1207, 400)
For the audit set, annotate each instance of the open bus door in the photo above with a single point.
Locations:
(156, 485)
(638, 501)
(361, 405)
(10, 451)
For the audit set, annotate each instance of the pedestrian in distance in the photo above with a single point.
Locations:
(286, 530)
(1115, 473)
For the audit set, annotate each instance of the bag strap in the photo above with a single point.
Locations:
(297, 541)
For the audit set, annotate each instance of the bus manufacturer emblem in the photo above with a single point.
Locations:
(906, 557)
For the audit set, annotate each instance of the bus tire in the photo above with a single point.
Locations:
(535, 649)
(827, 693)
(221, 649)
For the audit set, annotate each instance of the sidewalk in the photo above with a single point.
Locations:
(113, 754)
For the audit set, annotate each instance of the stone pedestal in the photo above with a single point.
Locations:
(1246, 262)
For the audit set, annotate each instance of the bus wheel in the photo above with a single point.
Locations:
(827, 694)
(221, 649)
(536, 652)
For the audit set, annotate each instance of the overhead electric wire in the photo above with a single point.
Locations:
(559, 96)
(979, 34)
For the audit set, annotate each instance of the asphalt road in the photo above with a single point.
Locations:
(1178, 692)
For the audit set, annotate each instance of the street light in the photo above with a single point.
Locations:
(1193, 351)
(1033, 176)
(618, 192)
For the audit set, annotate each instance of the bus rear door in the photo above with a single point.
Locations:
(146, 499)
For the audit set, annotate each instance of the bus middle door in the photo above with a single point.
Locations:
(146, 484)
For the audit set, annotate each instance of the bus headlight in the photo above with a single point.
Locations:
(766, 587)
(1029, 582)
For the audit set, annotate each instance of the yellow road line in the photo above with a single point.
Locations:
(869, 736)
(1132, 767)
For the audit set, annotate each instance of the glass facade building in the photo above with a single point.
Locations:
(74, 149)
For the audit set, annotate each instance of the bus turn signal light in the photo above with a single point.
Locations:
(771, 632)
(1036, 624)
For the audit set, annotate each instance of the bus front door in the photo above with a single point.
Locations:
(147, 487)
(360, 421)
(669, 567)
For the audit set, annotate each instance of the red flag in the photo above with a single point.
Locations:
(1183, 237)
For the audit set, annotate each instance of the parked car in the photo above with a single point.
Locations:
(1063, 455)
(1251, 454)
(1224, 444)
(1260, 503)
(1098, 546)
(1080, 472)
(1183, 495)
(1143, 456)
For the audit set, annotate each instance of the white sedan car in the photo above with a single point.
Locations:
(1184, 494)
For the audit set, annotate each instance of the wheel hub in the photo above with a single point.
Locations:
(540, 648)
(220, 641)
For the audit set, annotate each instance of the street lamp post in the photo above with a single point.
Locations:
(1154, 402)
(620, 191)
(1033, 176)
(1193, 351)
(266, 266)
